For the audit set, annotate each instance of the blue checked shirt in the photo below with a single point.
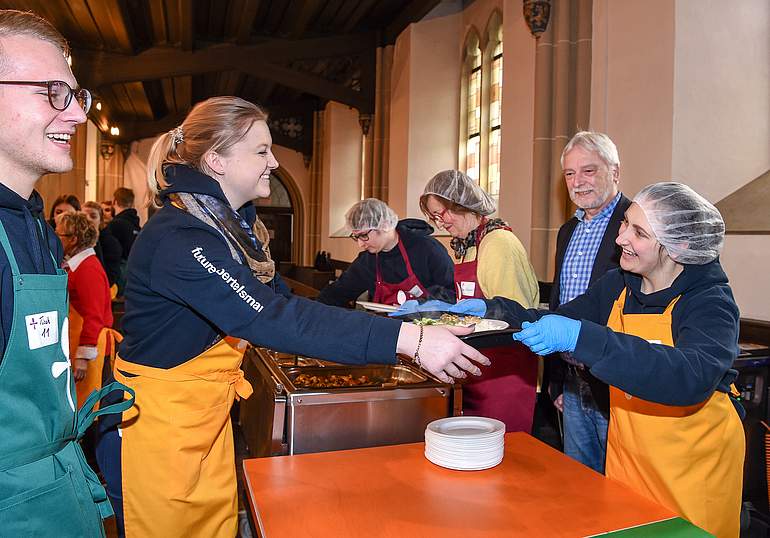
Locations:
(581, 252)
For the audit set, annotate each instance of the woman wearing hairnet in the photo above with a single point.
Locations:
(662, 331)
(491, 261)
(397, 256)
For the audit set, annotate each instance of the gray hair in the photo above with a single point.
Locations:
(371, 214)
(599, 143)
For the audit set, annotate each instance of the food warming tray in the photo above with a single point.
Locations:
(281, 418)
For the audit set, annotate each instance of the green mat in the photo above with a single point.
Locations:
(670, 528)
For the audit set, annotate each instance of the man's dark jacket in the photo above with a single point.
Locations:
(125, 227)
(607, 258)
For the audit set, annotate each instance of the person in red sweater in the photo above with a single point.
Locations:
(90, 312)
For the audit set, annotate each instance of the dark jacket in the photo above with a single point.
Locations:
(125, 228)
(607, 258)
(429, 259)
(184, 290)
(35, 245)
(705, 323)
(110, 253)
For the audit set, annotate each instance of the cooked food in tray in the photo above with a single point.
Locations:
(449, 319)
(333, 380)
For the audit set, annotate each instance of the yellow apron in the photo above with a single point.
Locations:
(178, 458)
(105, 342)
(689, 459)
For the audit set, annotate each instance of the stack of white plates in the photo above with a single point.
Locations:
(465, 443)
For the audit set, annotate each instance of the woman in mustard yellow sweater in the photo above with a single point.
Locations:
(490, 261)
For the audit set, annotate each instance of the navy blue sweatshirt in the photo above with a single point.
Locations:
(184, 290)
(705, 323)
(429, 259)
(33, 243)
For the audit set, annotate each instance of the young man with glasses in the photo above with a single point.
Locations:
(45, 483)
(396, 256)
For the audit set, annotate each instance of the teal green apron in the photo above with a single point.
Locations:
(46, 486)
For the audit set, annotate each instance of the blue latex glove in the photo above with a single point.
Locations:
(412, 307)
(549, 334)
(470, 307)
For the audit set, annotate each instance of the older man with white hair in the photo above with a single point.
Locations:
(585, 250)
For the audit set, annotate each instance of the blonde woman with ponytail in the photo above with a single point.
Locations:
(200, 283)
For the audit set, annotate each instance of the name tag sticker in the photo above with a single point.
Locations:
(655, 341)
(42, 329)
(416, 291)
(468, 289)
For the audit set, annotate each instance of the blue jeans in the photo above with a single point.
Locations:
(585, 427)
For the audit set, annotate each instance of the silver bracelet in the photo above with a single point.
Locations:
(417, 351)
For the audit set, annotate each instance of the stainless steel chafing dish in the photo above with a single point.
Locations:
(393, 406)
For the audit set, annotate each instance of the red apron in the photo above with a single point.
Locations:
(506, 389)
(386, 293)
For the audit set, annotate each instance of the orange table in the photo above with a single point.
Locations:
(394, 491)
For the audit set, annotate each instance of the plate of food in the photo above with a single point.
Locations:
(487, 332)
(459, 320)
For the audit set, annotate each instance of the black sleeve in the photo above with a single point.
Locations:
(561, 240)
(123, 233)
(592, 305)
(356, 279)
(705, 346)
(512, 312)
(112, 252)
(194, 267)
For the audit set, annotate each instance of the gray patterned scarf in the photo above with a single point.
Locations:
(248, 246)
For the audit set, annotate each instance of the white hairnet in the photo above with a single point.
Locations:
(457, 187)
(371, 214)
(689, 227)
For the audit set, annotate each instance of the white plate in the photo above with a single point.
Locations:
(377, 307)
(464, 465)
(466, 427)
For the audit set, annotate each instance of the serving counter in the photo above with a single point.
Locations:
(395, 492)
(302, 404)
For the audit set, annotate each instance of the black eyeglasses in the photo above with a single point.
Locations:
(59, 93)
(362, 236)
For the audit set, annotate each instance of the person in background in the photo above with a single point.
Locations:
(396, 256)
(107, 248)
(490, 262)
(107, 211)
(46, 486)
(90, 311)
(662, 331)
(585, 250)
(124, 227)
(199, 281)
(66, 203)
